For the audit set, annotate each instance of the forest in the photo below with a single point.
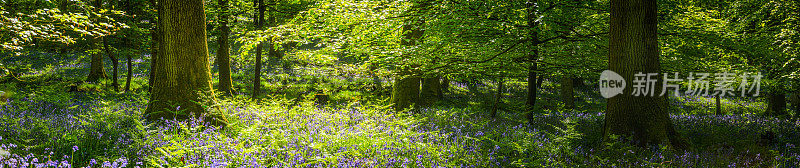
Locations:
(399, 83)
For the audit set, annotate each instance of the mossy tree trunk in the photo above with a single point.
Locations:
(259, 24)
(429, 93)
(633, 48)
(405, 91)
(567, 92)
(223, 60)
(96, 70)
(182, 78)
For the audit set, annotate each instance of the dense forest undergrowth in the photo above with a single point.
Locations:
(52, 119)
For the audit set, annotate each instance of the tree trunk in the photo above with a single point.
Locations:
(130, 74)
(127, 42)
(405, 92)
(406, 89)
(259, 24)
(429, 93)
(498, 96)
(533, 56)
(776, 104)
(96, 70)
(273, 57)
(719, 105)
(633, 48)
(223, 60)
(183, 76)
(567, 94)
(114, 63)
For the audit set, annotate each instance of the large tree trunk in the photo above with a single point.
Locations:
(183, 76)
(633, 48)
(406, 89)
(405, 92)
(96, 70)
(533, 56)
(429, 93)
(223, 60)
(567, 95)
(776, 105)
(257, 78)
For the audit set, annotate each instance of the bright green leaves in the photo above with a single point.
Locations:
(48, 23)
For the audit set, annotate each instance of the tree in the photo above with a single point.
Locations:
(405, 91)
(182, 78)
(259, 24)
(223, 54)
(96, 68)
(633, 48)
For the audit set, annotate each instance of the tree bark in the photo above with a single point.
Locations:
(567, 95)
(405, 92)
(633, 48)
(182, 79)
(533, 56)
(223, 53)
(429, 93)
(259, 24)
(96, 70)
